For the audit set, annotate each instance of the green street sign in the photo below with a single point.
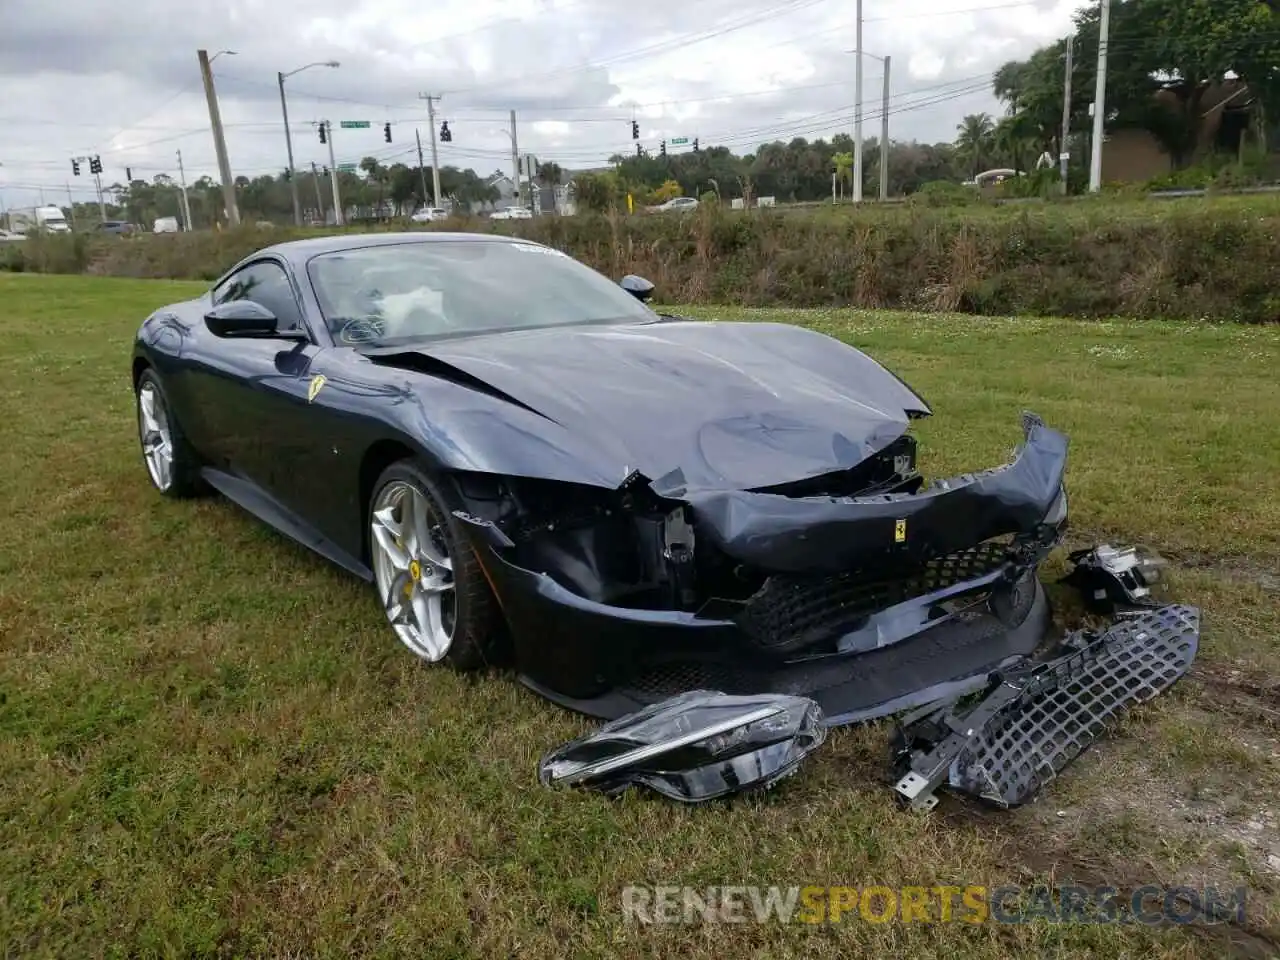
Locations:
(679, 141)
(354, 124)
(346, 168)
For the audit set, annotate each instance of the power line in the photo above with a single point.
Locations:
(904, 102)
(182, 92)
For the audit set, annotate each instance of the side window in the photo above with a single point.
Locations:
(265, 283)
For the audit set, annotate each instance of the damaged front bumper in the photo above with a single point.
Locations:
(871, 604)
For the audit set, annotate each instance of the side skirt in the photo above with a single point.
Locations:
(253, 499)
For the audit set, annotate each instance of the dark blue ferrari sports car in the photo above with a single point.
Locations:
(537, 470)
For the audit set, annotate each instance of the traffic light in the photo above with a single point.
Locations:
(128, 174)
(695, 144)
(75, 168)
(637, 149)
(635, 130)
(446, 135)
(324, 137)
(386, 132)
(95, 165)
(662, 148)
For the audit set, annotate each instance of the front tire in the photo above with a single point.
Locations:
(171, 463)
(428, 579)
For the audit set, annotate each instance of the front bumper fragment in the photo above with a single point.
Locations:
(816, 535)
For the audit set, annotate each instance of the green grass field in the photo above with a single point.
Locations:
(211, 745)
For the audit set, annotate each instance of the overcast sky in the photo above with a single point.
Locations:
(121, 80)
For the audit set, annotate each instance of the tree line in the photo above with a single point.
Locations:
(794, 171)
(1164, 59)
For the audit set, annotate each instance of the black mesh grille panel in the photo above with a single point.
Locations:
(791, 613)
(1069, 707)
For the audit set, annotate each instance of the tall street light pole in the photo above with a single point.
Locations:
(857, 114)
(219, 141)
(515, 155)
(884, 130)
(288, 138)
(1100, 101)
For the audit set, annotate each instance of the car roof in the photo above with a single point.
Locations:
(300, 251)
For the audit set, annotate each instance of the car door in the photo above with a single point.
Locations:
(253, 391)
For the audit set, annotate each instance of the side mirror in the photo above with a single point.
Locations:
(638, 287)
(247, 318)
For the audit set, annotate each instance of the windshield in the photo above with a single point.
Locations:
(412, 291)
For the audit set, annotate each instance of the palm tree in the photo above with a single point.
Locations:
(1014, 138)
(974, 140)
(844, 170)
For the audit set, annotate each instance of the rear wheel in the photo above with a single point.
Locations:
(171, 463)
(428, 579)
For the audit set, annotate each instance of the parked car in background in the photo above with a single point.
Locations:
(678, 204)
(165, 225)
(512, 213)
(120, 227)
(430, 215)
(7, 236)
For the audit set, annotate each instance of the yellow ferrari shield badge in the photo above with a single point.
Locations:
(316, 383)
(900, 532)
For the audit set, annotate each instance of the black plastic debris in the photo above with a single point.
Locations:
(1117, 579)
(1033, 721)
(693, 747)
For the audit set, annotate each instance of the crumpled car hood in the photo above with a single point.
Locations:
(709, 405)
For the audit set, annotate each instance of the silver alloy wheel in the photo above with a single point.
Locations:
(412, 570)
(157, 440)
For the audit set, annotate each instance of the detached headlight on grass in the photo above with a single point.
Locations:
(694, 747)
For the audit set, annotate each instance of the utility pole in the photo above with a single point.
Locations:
(515, 156)
(435, 157)
(219, 141)
(857, 114)
(71, 207)
(102, 204)
(529, 164)
(315, 179)
(333, 176)
(884, 136)
(186, 205)
(1100, 100)
(288, 145)
(1064, 149)
(422, 167)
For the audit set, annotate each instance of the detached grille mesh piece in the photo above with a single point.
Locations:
(1067, 708)
(791, 612)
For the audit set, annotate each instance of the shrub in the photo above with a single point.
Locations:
(1182, 259)
(945, 193)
